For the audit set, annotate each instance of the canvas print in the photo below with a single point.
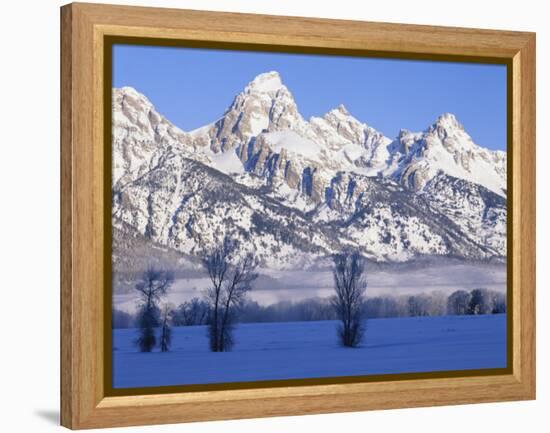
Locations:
(295, 216)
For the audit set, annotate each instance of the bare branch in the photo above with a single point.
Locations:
(350, 286)
(230, 283)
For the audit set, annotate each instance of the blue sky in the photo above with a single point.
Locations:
(192, 87)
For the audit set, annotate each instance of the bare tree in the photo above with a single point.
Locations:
(217, 266)
(480, 302)
(458, 303)
(152, 286)
(166, 331)
(147, 321)
(242, 275)
(350, 285)
(419, 305)
(190, 313)
(230, 283)
(499, 303)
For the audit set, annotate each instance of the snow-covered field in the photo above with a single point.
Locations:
(291, 350)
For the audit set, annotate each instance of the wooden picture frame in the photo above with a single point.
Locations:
(85, 32)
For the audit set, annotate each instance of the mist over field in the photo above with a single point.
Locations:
(272, 286)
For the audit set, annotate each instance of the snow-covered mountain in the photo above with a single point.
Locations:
(445, 146)
(293, 190)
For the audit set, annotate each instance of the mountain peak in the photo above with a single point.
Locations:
(129, 91)
(340, 113)
(342, 109)
(129, 96)
(266, 82)
(126, 89)
(448, 121)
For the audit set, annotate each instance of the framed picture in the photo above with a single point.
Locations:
(270, 216)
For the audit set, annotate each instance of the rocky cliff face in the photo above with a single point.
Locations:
(293, 190)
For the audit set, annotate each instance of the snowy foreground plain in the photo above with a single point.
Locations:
(293, 350)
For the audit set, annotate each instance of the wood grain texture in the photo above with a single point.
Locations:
(67, 386)
(84, 26)
(524, 214)
(293, 31)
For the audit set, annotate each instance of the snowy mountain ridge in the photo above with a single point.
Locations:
(335, 179)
